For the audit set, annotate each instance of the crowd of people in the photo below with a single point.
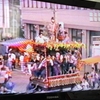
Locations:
(91, 80)
(35, 65)
(57, 64)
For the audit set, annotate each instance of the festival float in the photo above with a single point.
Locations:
(59, 81)
(50, 48)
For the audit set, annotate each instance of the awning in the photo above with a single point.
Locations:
(91, 60)
(16, 42)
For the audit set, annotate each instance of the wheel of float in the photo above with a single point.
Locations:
(72, 86)
(39, 88)
(35, 89)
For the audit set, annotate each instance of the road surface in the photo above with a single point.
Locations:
(20, 79)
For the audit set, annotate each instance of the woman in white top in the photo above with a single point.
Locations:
(21, 59)
(94, 78)
(85, 84)
(9, 62)
(73, 60)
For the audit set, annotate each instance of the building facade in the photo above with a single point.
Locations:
(4, 18)
(81, 23)
(14, 6)
(9, 19)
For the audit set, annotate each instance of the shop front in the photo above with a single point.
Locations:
(94, 43)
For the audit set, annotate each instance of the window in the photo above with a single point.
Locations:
(52, 6)
(73, 7)
(38, 4)
(69, 7)
(43, 4)
(34, 4)
(64, 6)
(32, 31)
(58, 6)
(93, 33)
(48, 5)
(30, 3)
(27, 3)
(79, 8)
(61, 6)
(76, 35)
(23, 3)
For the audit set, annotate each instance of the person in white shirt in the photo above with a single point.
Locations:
(73, 60)
(94, 78)
(21, 59)
(41, 39)
(85, 84)
(13, 56)
(9, 62)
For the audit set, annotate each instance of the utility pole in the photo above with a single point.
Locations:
(13, 18)
(54, 13)
(3, 19)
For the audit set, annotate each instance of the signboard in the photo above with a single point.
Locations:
(95, 50)
(95, 40)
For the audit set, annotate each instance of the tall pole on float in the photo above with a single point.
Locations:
(54, 15)
(46, 62)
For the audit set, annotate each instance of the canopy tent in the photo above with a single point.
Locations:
(16, 42)
(91, 60)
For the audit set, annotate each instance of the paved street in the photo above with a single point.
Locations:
(20, 79)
